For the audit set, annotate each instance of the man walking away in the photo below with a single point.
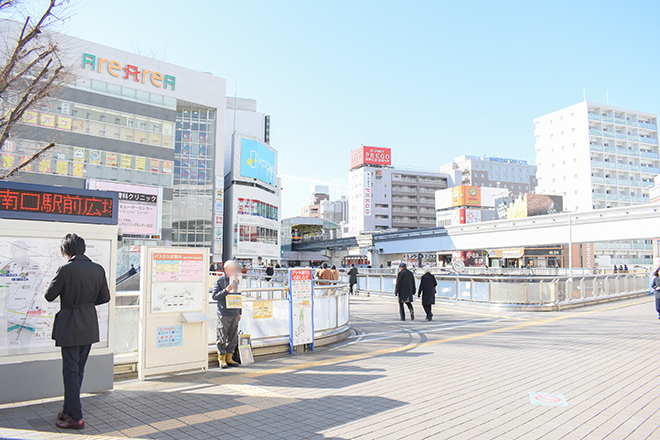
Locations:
(656, 290)
(335, 272)
(427, 292)
(325, 274)
(352, 278)
(227, 328)
(269, 272)
(81, 285)
(405, 290)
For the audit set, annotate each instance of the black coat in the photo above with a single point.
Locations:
(427, 289)
(405, 286)
(219, 294)
(352, 275)
(81, 285)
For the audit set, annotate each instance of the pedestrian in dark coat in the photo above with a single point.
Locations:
(81, 285)
(405, 290)
(427, 292)
(656, 290)
(352, 277)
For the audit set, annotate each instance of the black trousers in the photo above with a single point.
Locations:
(227, 333)
(73, 368)
(350, 286)
(402, 312)
(657, 305)
(427, 310)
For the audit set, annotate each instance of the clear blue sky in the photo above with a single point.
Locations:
(430, 79)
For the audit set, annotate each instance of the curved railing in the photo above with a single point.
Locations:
(538, 293)
(268, 335)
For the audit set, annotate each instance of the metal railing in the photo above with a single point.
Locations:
(532, 292)
(268, 334)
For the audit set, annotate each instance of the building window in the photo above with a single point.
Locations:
(572, 114)
(575, 176)
(573, 130)
(574, 160)
(576, 191)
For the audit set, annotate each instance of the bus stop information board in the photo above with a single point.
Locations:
(301, 308)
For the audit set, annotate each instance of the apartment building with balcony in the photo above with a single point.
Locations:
(382, 198)
(599, 156)
(516, 175)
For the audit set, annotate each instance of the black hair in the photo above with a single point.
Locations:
(334, 267)
(325, 265)
(655, 274)
(72, 244)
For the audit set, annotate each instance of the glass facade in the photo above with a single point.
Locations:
(194, 156)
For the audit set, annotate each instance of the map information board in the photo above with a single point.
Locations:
(26, 267)
(177, 282)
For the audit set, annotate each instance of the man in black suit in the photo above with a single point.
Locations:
(405, 290)
(81, 285)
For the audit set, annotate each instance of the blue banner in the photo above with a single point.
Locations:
(257, 161)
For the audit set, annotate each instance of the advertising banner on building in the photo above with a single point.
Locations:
(367, 193)
(140, 207)
(371, 156)
(528, 205)
(464, 195)
(472, 216)
(257, 161)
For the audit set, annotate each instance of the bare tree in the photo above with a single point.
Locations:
(31, 67)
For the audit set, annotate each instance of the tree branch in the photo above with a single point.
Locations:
(15, 170)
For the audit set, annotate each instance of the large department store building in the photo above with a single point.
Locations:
(151, 130)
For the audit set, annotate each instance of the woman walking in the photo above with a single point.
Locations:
(427, 292)
(656, 290)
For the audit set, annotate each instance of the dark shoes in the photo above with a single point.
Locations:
(412, 316)
(69, 423)
(403, 319)
(62, 416)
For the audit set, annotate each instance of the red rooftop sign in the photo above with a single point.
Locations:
(371, 156)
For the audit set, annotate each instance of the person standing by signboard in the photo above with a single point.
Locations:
(228, 318)
(81, 285)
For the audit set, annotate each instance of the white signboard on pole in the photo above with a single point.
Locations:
(173, 304)
(301, 308)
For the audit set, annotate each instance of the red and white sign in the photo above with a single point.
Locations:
(371, 156)
(367, 193)
(472, 216)
(548, 399)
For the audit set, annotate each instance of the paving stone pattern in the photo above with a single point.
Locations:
(467, 374)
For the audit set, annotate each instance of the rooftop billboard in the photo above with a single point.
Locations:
(371, 156)
(464, 195)
(528, 205)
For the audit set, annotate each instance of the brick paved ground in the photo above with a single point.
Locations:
(466, 375)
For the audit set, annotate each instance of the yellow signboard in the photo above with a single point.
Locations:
(126, 161)
(140, 163)
(111, 159)
(234, 301)
(262, 309)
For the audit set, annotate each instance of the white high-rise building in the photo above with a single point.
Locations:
(596, 156)
(516, 175)
(599, 156)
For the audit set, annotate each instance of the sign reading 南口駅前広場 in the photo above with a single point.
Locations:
(128, 71)
(40, 202)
